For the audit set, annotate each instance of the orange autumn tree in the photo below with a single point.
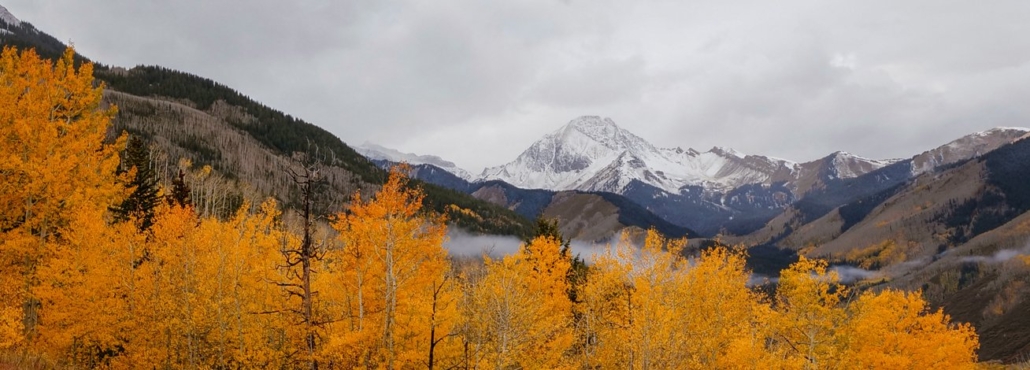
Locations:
(895, 330)
(628, 305)
(816, 325)
(189, 293)
(652, 307)
(55, 168)
(210, 294)
(388, 283)
(810, 315)
(518, 312)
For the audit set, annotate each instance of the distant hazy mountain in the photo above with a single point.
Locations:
(377, 152)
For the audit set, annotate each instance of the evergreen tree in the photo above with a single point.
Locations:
(141, 202)
(180, 191)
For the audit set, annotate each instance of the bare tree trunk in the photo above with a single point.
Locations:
(306, 255)
(391, 302)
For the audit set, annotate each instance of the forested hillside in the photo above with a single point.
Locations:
(190, 122)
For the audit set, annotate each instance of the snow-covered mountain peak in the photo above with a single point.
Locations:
(844, 165)
(566, 158)
(378, 152)
(727, 152)
(8, 18)
(602, 131)
(1002, 131)
(593, 153)
(592, 124)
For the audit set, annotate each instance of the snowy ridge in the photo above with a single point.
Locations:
(8, 18)
(969, 146)
(592, 153)
(376, 152)
(844, 165)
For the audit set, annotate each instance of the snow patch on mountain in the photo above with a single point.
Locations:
(845, 165)
(377, 152)
(8, 18)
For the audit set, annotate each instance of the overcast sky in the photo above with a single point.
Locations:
(476, 82)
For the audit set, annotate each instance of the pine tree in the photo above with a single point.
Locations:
(181, 191)
(141, 202)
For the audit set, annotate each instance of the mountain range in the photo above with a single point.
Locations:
(719, 190)
(594, 154)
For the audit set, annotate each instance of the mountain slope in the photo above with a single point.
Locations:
(250, 147)
(959, 233)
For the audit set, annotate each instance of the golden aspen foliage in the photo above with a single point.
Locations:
(90, 292)
(809, 314)
(893, 330)
(547, 270)
(55, 168)
(655, 308)
(191, 293)
(723, 319)
(518, 313)
(389, 282)
(11, 326)
(629, 306)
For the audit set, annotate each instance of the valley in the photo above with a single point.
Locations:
(950, 225)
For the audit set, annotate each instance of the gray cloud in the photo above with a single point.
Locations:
(477, 82)
(851, 274)
(460, 242)
(999, 256)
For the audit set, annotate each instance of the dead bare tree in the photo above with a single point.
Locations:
(299, 261)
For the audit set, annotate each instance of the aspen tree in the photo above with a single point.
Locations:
(809, 314)
(55, 167)
(895, 330)
(397, 309)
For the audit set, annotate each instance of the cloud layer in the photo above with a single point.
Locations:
(476, 82)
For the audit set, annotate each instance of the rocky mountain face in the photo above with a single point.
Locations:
(594, 154)
(966, 147)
